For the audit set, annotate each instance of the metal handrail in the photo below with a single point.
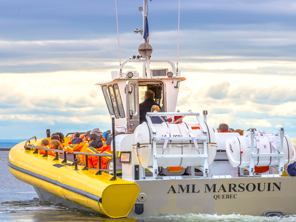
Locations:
(200, 121)
(92, 154)
(43, 148)
(75, 163)
(46, 152)
(28, 141)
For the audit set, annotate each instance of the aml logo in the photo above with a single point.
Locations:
(226, 188)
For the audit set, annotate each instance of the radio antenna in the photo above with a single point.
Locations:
(117, 33)
(177, 71)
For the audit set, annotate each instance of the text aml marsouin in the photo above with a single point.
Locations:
(222, 188)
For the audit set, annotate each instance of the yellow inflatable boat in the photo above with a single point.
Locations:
(114, 199)
(210, 176)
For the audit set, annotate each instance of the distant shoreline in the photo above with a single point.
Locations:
(5, 149)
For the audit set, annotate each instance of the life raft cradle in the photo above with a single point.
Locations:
(254, 155)
(164, 139)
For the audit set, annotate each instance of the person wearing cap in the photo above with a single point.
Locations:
(223, 128)
(96, 131)
(99, 133)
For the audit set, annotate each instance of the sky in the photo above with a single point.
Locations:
(238, 58)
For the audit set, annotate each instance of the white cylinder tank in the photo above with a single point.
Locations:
(143, 152)
(238, 150)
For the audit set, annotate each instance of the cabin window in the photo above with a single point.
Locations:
(107, 99)
(113, 101)
(157, 88)
(132, 99)
(118, 100)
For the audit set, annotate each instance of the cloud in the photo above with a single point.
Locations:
(238, 58)
(255, 122)
(218, 91)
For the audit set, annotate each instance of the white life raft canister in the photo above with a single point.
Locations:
(238, 150)
(143, 152)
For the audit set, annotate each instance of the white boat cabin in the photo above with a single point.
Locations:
(127, 90)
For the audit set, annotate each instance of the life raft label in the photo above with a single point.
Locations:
(225, 191)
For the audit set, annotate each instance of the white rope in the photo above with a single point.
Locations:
(117, 32)
(178, 36)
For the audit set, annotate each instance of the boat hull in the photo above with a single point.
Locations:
(114, 199)
(61, 183)
(245, 196)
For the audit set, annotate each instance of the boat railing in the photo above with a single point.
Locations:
(76, 161)
(99, 155)
(37, 148)
(28, 146)
(29, 141)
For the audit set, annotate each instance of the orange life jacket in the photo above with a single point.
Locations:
(83, 150)
(92, 160)
(69, 149)
(52, 153)
(79, 146)
(105, 159)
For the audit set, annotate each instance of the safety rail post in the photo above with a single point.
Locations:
(65, 157)
(251, 168)
(36, 151)
(100, 166)
(86, 163)
(75, 162)
(114, 150)
(281, 160)
(57, 156)
(46, 154)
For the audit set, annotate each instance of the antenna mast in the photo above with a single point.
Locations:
(177, 71)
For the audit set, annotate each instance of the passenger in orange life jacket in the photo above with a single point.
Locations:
(74, 142)
(76, 139)
(95, 143)
(223, 128)
(55, 145)
(99, 133)
(44, 144)
(106, 150)
(81, 147)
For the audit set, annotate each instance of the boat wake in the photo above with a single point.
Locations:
(208, 217)
(28, 205)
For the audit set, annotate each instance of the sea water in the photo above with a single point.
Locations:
(19, 202)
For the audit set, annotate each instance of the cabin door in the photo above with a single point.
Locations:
(132, 106)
